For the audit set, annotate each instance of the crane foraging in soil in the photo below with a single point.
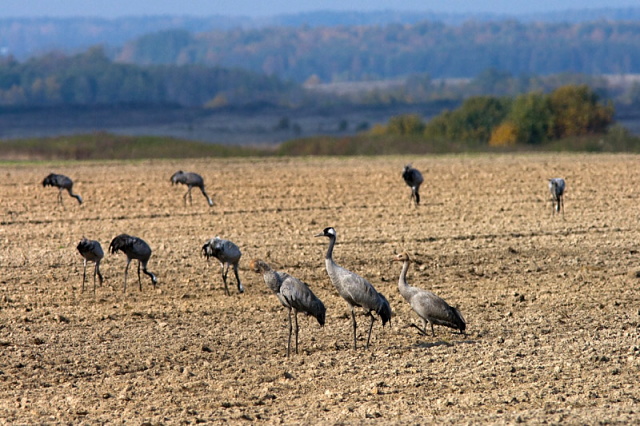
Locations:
(293, 294)
(227, 254)
(61, 182)
(133, 248)
(354, 289)
(556, 187)
(190, 179)
(429, 307)
(413, 178)
(91, 251)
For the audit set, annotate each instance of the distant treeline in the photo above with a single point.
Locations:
(91, 78)
(356, 53)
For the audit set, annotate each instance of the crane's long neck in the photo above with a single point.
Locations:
(332, 242)
(403, 286)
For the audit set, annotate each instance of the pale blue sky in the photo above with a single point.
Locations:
(255, 8)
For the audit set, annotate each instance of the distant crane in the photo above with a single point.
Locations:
(61, 182)
(133, 248)
(227, 254)
(556, 186)
(91, 251)
(414, 179)
(357, 291)
(293, 294)
(429, 307)
(190, 179)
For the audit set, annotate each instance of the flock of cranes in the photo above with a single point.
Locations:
(294, 294)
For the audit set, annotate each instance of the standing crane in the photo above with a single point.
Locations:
(429, 307)
(227, 254)
(293, 294)
(133, 248)
(91, 251)
(61, 182)
(413, 178)
(357, 291)
(190, 179)
(556, 186)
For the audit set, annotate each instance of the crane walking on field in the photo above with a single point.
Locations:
(556, 186)
(61, 182)
(227, 254)
(429, 307)
(91, 251)
(133, 248)
(357, 291)
(293, 294)
(190, 179)
(413, 178)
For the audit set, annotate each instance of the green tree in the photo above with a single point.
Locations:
(532, 117)
(406, 124)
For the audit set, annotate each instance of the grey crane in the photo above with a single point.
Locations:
(227, 254)
(91, 251)
(429, 307)
(61, 182)
(357, 291)
(190, 179)
(293, 294)
(133, 248)
(413, 178)
(556, 186)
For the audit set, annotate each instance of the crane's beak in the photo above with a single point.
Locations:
(319, 235)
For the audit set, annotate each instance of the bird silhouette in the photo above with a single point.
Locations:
(293, 294)
(227, 254)
(413, 178)
(61, 182)
(429, 307)
(190, 179)
(91, 251)
(133, 248)
(556, 186)
(357, 291)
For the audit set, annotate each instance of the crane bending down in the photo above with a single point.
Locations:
(227, 254)
(190, 179)
(429, 307)
(293, 294)
(61, 182)
(91, 251)
(133, 248)
(413, 178)
(556, 186)
(357, 291)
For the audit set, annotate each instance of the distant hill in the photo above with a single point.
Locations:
(26, 37)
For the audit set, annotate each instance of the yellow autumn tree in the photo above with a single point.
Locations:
(506, 134)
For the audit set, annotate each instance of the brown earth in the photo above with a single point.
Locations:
(552, 303)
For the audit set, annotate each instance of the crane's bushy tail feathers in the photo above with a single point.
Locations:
(461, 324)
(384, 309)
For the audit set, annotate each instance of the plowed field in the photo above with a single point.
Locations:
(552, 302)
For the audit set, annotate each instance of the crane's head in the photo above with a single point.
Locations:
(176, 176)
(259, 266)
(402, 257)
(327, 232)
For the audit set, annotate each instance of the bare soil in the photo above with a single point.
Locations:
(552, 302)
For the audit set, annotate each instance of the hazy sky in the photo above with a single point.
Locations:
(114, 8)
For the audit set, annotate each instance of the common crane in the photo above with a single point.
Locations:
(413, 178)
(357, 291)
(61, 182)
(429, 307)
(227, 254)
(91, 251)
(556, 186)
(190, 179)
(293, 294)
(133, 248)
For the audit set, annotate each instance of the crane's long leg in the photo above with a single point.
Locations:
(289, 341)
(95, 270)
(353, 319)
(433, 333)
(84, 274)
(296, 330)
(417, 197)
(235, 271)
(209, 200)
(422, 331)
(126, 270)
(224, 278)
(370, 328)
(98, 272)
(139, 281)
